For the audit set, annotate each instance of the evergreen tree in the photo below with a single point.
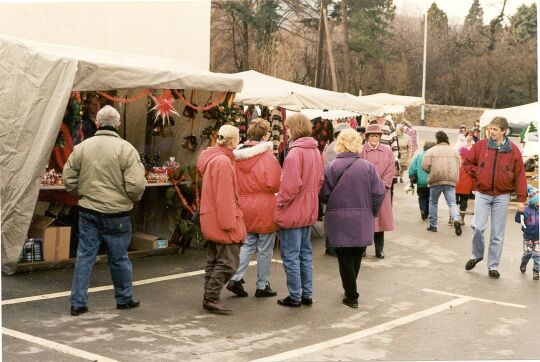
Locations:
(523, 23)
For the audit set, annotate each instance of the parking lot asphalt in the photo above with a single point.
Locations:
(417, 304)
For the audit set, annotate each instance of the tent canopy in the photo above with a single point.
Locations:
(36, 81)
(274, 92)
(331, 114)
(520, 115)
(387, 99)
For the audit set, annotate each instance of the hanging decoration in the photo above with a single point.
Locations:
(136, 97)
(164, 107)
(180, 95)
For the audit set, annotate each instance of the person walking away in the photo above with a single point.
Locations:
(350, 208)
(296, 210)
(413, 135)
(441, 162)
(464, 184)
(496, 166)
(107, 175)
(405, 151)
(420, 177)
(258, 174)
(528, 218)
(382, 157)
(329, 154)
(222, 221)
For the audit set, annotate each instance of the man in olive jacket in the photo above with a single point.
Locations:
(442, 164)
(107, 175)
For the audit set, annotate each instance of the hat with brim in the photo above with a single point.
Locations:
(341, 127)
(373, 129)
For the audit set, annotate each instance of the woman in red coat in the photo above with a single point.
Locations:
(465, 182)
(222, 221)
(258, 173)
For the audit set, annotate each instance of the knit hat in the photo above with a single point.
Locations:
(373, 129)
(532, 193)
(341, 127)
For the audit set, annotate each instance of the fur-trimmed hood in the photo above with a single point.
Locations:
(249, 156)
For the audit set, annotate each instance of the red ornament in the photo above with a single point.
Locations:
(164, 106)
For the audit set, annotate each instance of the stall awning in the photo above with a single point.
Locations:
(520, 115)
(269, 91)
(387, 99)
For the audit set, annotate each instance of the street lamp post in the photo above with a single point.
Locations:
(422, 121)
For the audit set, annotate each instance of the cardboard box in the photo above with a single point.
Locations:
(55, 238)
(143, 241)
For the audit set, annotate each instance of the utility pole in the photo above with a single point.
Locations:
(344, 15)
(320, 46)
(422, 120)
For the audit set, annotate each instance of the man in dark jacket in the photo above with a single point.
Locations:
(496, 165)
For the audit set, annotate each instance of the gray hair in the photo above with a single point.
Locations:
(108, 116)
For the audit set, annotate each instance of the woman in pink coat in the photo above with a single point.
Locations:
(222, 222)
(384, 160)
(297, 208)
(258, 173)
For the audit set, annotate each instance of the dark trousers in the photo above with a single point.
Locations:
(378, 240)
(423, 201)
(462, 201)
(221, 264)
(349, 260)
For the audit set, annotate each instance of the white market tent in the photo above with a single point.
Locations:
(36, 80)
(273, 92)
(392, 103)
(331, 114)
(520, 115)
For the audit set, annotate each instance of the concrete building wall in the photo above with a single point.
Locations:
(177, 29)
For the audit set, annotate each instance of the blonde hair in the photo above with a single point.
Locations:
(298, 126)
(227, 134)
(348, 141)
(258, 128)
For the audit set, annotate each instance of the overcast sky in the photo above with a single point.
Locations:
(458, 9)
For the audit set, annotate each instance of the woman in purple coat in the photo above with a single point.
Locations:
(353, 193)
(382, 157)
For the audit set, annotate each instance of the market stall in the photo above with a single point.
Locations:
(36, 83)
(518, 117)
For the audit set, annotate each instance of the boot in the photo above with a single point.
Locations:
(216, 306)
(462, 216)
(237, 288)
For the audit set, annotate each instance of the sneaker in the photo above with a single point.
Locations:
(266, 292)
(353, 303)
(535, 274)
(493, 274)
(289, 302)
(457, 228)
(237, 288)
(129, 305)
(523, 267)
(472, 263)
(307, 301)
(432, 228)
(75, 311)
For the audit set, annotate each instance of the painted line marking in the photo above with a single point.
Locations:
(474, 298)
(110, 287)
(56, 346)
(353, 337)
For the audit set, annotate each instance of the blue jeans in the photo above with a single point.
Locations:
(116, 233)
(264, 245)
(497, 207)
(297, 257)
(449, 192)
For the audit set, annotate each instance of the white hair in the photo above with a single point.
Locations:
(108, 116)
(227, 134)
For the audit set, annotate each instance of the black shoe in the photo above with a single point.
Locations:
(75, 311)
(494, 274)
(289, 302)
(353, 303)
(432, 228)
(266, 292)
(215, 306)
(535, 274)
(457, 227)
(424, 216)
(307, 301)
(129, 305)
(523, 267)
(472, 263)
(237, 288)
(379, 255)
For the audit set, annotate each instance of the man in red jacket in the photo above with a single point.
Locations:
(496, 165)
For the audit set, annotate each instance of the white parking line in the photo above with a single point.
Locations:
(474, 298)
(56, 346)
(110, 287)
(365, 332)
